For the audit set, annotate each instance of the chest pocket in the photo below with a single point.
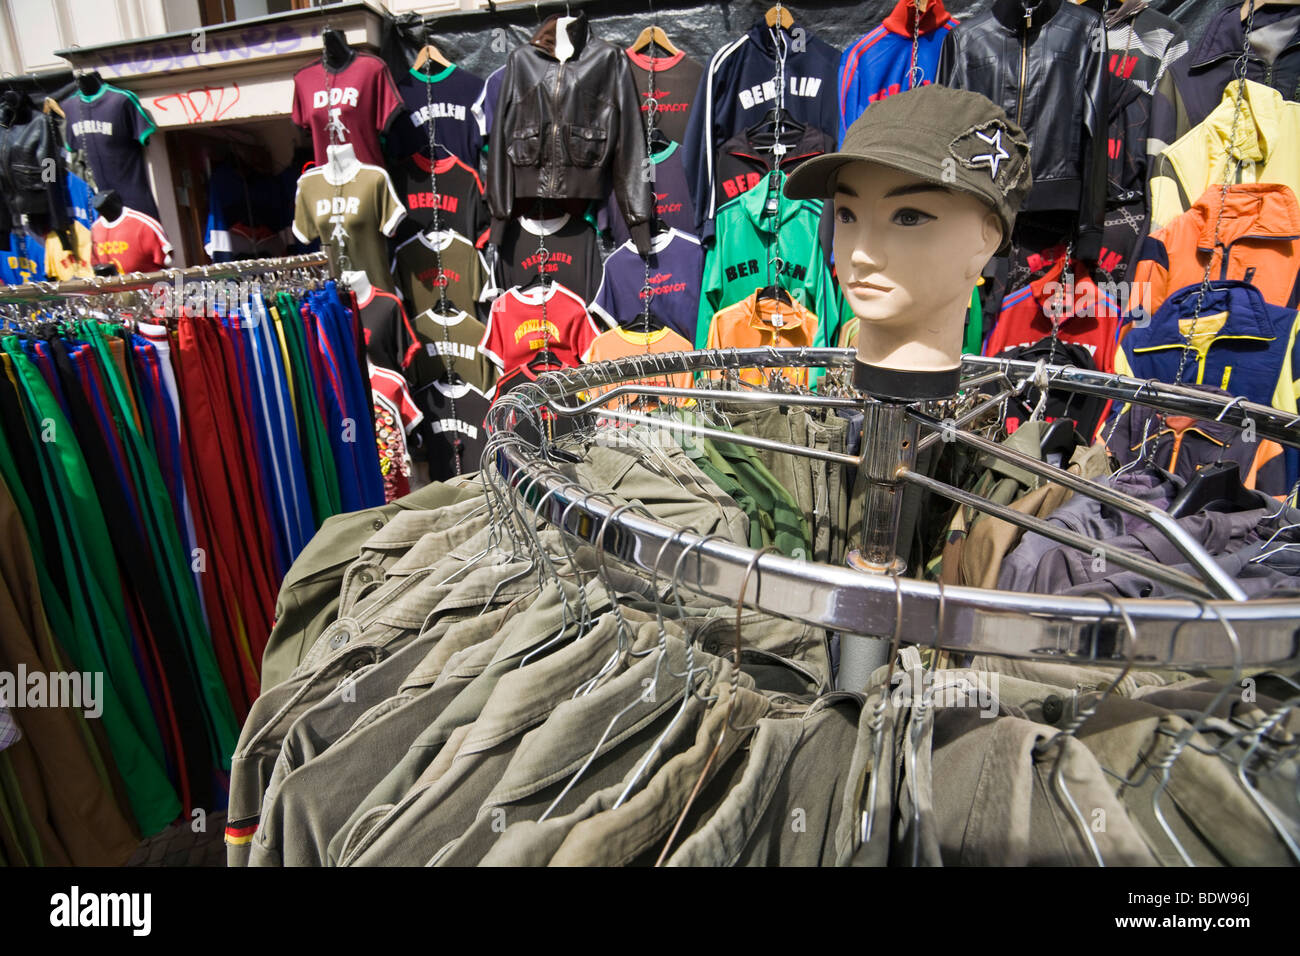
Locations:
(525, 147)
(587, 145)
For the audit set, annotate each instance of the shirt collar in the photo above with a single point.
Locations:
(441, 319)
(433, 77)
(661, 63)
(544, 227)
(1248, 314)
(761, 314)
(754, 203)
(640, 338)
(1265, 210)
(1261, 107)
(902, 18)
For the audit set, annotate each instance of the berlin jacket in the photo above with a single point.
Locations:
(739, 88)
(1049, 74)
(564, 129)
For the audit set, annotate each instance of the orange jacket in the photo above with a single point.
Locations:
(1259, 243)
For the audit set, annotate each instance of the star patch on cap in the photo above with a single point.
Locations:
(982, 147)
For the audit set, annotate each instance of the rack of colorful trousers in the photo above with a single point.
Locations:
(169, 443)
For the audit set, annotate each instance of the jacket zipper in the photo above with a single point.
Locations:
(555, 112)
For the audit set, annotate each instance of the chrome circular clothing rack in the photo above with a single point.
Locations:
(1215, 626)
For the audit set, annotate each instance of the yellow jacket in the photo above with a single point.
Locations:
(1267, 139)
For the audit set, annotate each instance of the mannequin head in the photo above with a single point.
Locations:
(908, 252)
(925, 191)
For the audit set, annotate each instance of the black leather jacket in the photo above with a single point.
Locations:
(32, 174)
(564, 130)
(1049, 74)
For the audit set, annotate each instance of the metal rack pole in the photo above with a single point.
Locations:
(37, 291)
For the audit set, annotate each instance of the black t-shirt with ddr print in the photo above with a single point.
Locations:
(112, 127)
(573, 257)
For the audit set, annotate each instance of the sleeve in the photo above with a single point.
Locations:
(594, 268)
(388, 103)
(1096, 159)
(96, 238)
(1148, 282)
(1168, 199)
(138, 120)
(1169, 119)
(695, 162)
(411, 414)
(584, 330)
(710, 296)
(634, 191)
(391, 210)
(603, 304)
(998, 336)
(493, 344)
(501, 176)
(480, 221)
(300, 114)
(848, 83)
(158, 247)
(408, 343)
(304, 222)
(485, 289)
(951, 70)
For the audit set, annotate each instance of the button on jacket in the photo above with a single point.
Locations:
(565, 128)
(1050, 77)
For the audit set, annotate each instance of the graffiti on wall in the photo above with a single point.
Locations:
(180, 53)
(203, 104)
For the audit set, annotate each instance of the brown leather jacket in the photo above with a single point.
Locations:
(563, 129)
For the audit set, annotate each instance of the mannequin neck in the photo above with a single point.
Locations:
(359, 283)
(336, 54)
(109, 205)
(922, 343)
(89, 83)
(342, 165)
(1012, 12)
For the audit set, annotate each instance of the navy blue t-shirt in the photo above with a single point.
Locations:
(112, 127)
(676, 267)
(672, 198)
(447, 97)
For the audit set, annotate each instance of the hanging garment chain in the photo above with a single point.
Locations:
(915, 75)
(448, 353)
(1231, 169)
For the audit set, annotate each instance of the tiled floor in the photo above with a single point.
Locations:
(179, 845)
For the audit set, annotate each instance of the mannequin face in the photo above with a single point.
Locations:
(908, 254)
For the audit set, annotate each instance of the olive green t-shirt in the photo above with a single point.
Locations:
(350, 218)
